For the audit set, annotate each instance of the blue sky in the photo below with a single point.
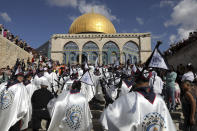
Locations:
(36, 20)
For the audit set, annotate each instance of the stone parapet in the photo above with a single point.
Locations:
(184, 56)
(9, 52)
(118, 35)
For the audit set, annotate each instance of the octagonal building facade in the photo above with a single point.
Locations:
(92, 36)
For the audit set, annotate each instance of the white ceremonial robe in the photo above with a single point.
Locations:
(2, 85)
(88, 91)
(31, 87)
(157, 84)
(133, 112)
(80, 72)
(37, 81)
(14, 106)
(68, 84)
(71, 113)
(98, 88)
(112, 92)
(124, 89)
(53, 80)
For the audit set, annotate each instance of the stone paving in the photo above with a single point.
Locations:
(96, 110)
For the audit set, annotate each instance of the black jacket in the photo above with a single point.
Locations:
(41, 98)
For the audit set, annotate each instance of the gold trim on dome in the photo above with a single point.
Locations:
(92, 23)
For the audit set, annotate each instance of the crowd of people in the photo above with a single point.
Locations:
(15, 39)
(135, 97)
(177, 46)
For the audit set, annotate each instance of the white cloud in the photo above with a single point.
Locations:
(166, 3)
(84, 7)
(62, 3)
(158, 36)
(139, 20)
(185, 17)
(5, 17)
(172, 38)
(72, 18)
(135, 30)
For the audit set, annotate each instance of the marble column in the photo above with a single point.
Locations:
(100, 58)
(121, 57)
(80, 57)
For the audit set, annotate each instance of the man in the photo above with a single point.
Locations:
(156, 83)
(31, 87)
(71, 111)
(140, 110)
(98, 94)
(126, 86)
(189, 75)
(14, 105)
(40, 99)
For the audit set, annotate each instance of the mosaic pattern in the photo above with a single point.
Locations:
(73, 117)
(6, 99)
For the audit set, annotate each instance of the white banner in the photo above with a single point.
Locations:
(87, 79)
(158, 61)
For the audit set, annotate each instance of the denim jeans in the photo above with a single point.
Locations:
(171, 94)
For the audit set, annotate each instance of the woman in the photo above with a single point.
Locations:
(177, 94)
(170, 85)
(189, 102)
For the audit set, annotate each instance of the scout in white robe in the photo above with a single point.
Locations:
(133, 112)
(71, 112)
(96, 78)
(14, 106)
(156, 83)
(126, 87)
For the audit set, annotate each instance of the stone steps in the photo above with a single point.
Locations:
(178, 118)
(96, 110)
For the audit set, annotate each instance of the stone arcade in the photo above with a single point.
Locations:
(93, 36)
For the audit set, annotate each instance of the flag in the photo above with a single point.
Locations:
(96, 62)
(134, 69)
(86, 78)
(18, 70)
(157, 60)
(71, 70)
(86, 66)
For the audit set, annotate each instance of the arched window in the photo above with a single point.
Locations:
(132, 51)
(71, 51)
(112, 51)
(92, 51)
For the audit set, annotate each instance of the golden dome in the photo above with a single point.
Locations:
(92, 23)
